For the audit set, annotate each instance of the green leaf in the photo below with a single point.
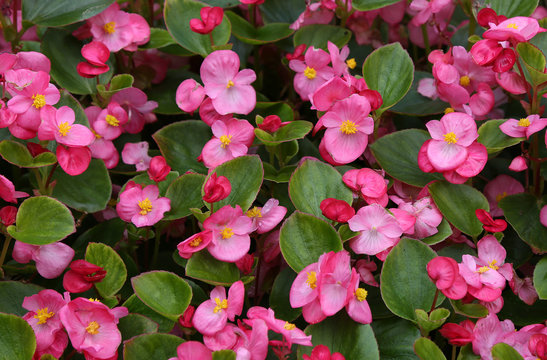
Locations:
(224, 355)
(116, 273)
(12, 294)
(279, 297)
(522, 212)
(109, 232)
(493, 138)
(163, 93)
(282, 176)
(118, 82)
(61, 12)
(42, 220)
(534, 62)
(292, 131)
(180, 144)
(281, 109)
(144, 180)
(164, 292)
(346, 233)
(185, 193)
(390, 71)
(457, 203)
(429, 322)
(444, 231)
(415, 103)
(519, 312)
(68, 100)
(314, 181)
(136, 324)
(303, 238)
(540, 278)
(341, 334)
(247, 33)
(88, 192)
(17, 339)
(17, 154)
(63, 50)
(469, 310)
(202, 266)
(502, 351)
(512, 8)
(246, 175)
(365, 5)
(282, 11)
(317, 36)
(395, 338)
(404, 282)
(222, 3)
(151, 346)
(178, 13)
(397, 153)
(159, 38)
(428, 350)
(134, 305)
(466, 353)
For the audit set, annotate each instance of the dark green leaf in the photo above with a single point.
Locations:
(256, 36)
(502, 351)
(317, 36)
(416, 104)
(136, 324)
(279, 297)
(540, 278)
(444, 231)
(151, 346)
(185, 193)
(134, 305)
(365, 5)
(116, 273)
(396, 338)
(282, 11)
(292, 131)
(12, 294)
(61, 12)
(512, 8)
(17, 154)
(17, 339)
(202, 266)
(469, 310)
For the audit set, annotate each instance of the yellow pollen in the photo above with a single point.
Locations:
(230, 84)
(501, 196)
(351, 63)
(146, 206)
(226, 233)
(225, 140)
(310, 73)
(492, 265)
(112, 121)
(64, 128)
(312, 280)
(196, 242)
(289, 326)
(220, 305)
(448, 110)
(450, 138)
(110, 27)
(348, 127)
(524, 122)
(464, 80)
(361, 294)
(512, 26)
(94, 299)
(39, 101)
(93, 328)
(96, 135)
(42, 315)
(254, 212)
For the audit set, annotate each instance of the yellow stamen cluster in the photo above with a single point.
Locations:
(230, 84)
(348, 127)
(227, 233)
(43, 315)
(312, 280)
(94, 299)
(448, 110)
(351, 63)
(289, 326)
(196, 242)
(310, 73)
(93, 328)
(492, 265)
(450, 138)
(501, 196)
(110, 27)
(146, 206)
(225, 140)
(524, 122)
(254, 212)
(465, 80)
(220, 305)
(64, 128)
(38, 101)
(112, 121)
(512, 26)
(361, 294)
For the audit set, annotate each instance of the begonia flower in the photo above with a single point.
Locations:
(189, 95)
(369, 184)
(110, 121)
(520, 29)
(211, 17)
(216, 188)
(336, 210)
(58, 125)
(290, 332)
(8, 215)
(51, 259)
(7, 191)
(208, 113)
(193, 350)
(524, 127)
(321, 352)
(267, 217)
(312, 72)
(142, 206)
(498, 188)
(137, 154)
(138, 107)
(113, 28)
(74, 160)
(426, 214)
(543, 216)
(490, 224)
(444, 272)
(82, 275)
(458, 334)
(271, 123)
(194, 243)
(356, 305)
(231, 139)
(253, 344)
(524, 289)
(488, 332)
(185, 320)
(96, 54)
(519, 163)
(158, 169)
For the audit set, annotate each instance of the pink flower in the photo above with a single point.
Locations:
(229, 88)
(231, 139)
(231, 229)
(458, 334)
(112, 27)
(312, 72)
(137, 154)
(327, 94)
(209, 115)
(290, 332)
(193, 350)
(488, 332)
(369, 184)
(445, 273)
(427, 217)
(321, 352)
(194, 243)
(364, 268)
(490, 224)
(334, 280)
(519, 163)
(51, 259)
(158, 169)
(519, 28)
(424, 9)
(253, 344)
(211, 17)
(7, 191)
(378, 230)
(211, 316)
(82, 275)
(336, 210)
(7, 215)
(91, 326)
(138, 108)
(357, 305)
(315, 13)
(498, 188)
(143, 207)
(189, 95)
(267, 217)
(216, 188)
(524, 289)
(96, 54)
(109, 121)
(304, 289)
(272, 123)
(73, 160)
(543, 216)
(59, 125)
(524, 127)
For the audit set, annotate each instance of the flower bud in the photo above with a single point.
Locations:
(7, 215)
(487, 16)
(189, 95)
(216, 188)
(82, 275)
(489, 224)
(271, 123)
(337, 210)
(158, 169)
(518, 164)
(373, 97)
(185, 320)
(211, 17)
(245, 264)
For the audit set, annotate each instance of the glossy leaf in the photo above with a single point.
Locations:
(415, 103)
(247, 33)
(292, 131)
(12, 294)
(135, 305)
(279, 297)
(317, 36)
(17, 339)
(444, 231)
(428, 350)
(202, 266)
(395, 338)
(512, 8)
(493, 138)
(365, 5)
(469, 310)
(502, 351)
(282, 11)
(281, 176)
(540, 278)
(18, 155)
(136, 324)
(42, 220)
(151, 346)
(303, 238)
(404, 282)
(534, 63)
(458, 203)
(61, 12)
(185, 193)
(116, 273)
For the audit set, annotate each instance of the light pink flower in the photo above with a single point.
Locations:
(369, 184)
(143, 207)
(51, 259)
(110, 121)
(304, 287)
(267, 217)
(498, 188)
(313, 14)
(427, 215)
(137, 154)
(338, 59)
(334, 281)
(518, 28)
(189, 95)
(488, 332)
(209, 115)
(357, 305)
(231, 139)
(252, 344)
(138, 108)
(524, 127)
(312, 72)
(423, 9)
(290, 332)
(193, 350)
(194, 243)
(211, 316)
(7, 191)
(229, 88)
(59, 125)
(112, 27)
(519, 163)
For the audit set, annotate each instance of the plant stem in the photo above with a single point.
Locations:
(156, 248)
(5, 249)
(434, 300)
(51, 174)
(426, 39)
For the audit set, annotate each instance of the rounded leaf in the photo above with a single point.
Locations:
(185, 193)
(151, 346)
(116, 273)
(279, 297)
(202, 266)
(428, 350)
(540, 278)
(17, 154)
(136, 324)
(502, 351)
(318, 35)
(17, 339)
(493, 138)
(12, 294)
(62, 12)
(395, 338)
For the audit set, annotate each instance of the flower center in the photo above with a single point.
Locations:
(254, 212)
(112, 121)
(221, 304)
(95, 133)
(450, 138)
(491, 265)
(501, 196)
(361, 294)
(110, 27)
(42, 315)
(230, 84)
(93, 328)
(464, 80)
(348, 127)
(94, 299)
(524, 122)
(226, 233)
(289, 326)
(312, 279)
(39, 101)
(146, 206)
(351, 63)
(448, 110)
(310, 73)
(512, 26)
(225, 140)
(64, 128)
(196, 242)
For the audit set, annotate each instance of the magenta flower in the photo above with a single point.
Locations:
(498, 188)
(138, 108)
(369, 184)
(267, 217)
(158, 169)
(290, 332)
(110, 121)
(96, 54)
(193, 350)
(357, 305)
(82, 275)
(427, 215)
(143, 207)
(231, 229)
(194, 244)
(312, 72)
(253, 344)
(91, 326)
(524, 127)
(59, 125)
(444, 272)
(51, 259)
(519, 28)
(73, 160)
(212, 315)
(229, 88)
(136, 154)
(216, 188)
(189, 95)
(231, 139)
(7, 191)
(210, 18)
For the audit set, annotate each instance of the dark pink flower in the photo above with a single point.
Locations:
(216, 188)
(73, 160)
(158, 169)
(82, 275)
(59, 125)
(193, 350)
(490, 224)
(96, 54)
(211, 17)
(7, 215)
(110, 121)
(445, 273)
(138, 108)
(337, 210)
(458, 334)
(185, 319)
(7, 191)
(321, 352)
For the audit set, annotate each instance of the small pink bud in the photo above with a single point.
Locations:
(337, 210)
(185, 320)
(216, 188)
(36, 149)
(489, 224)
(298, 53)
(7, 215)
(373, 97)
(518, 164)
(211, 17)
(486, 16)
(158, 169)
(271, 123)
